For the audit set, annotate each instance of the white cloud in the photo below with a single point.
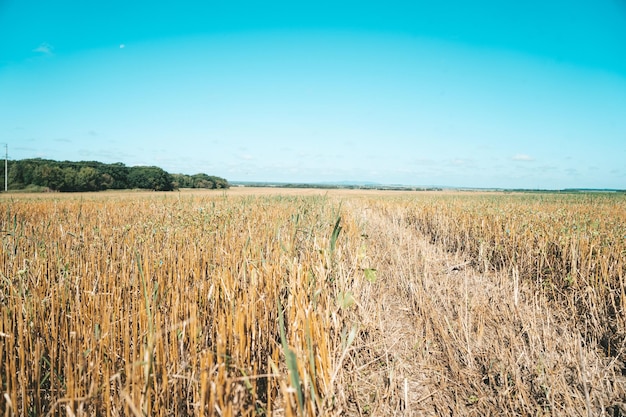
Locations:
(522, 157)
(45, 48)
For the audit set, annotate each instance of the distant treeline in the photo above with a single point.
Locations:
(97, 176)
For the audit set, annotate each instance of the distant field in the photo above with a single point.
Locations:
(245, 191)
(269, 301)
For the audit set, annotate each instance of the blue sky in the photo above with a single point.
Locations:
(455, 93)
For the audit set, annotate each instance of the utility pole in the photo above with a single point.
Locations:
(6, 167)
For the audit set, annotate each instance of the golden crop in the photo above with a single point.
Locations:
(169, 306)
(573, 246)
(223, 304)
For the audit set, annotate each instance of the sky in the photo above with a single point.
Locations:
(427, 93)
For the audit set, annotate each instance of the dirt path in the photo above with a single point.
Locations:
(439, 338)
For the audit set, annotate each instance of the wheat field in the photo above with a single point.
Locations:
(312, 302)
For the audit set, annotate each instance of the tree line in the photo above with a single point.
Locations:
(97, 176)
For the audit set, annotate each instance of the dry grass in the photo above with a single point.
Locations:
(443, 337)
(359, 303)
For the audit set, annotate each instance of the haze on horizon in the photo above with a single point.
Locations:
(465, 94)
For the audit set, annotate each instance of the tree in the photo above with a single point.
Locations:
(51, 177)
(95, 176)
(150, 178)
(69, 179)
(87, 179)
